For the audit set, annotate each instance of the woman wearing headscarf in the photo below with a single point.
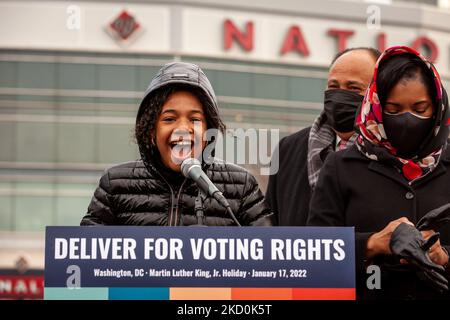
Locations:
(396, 173)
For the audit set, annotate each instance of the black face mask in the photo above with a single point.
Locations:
(340, 108)
(406, 132)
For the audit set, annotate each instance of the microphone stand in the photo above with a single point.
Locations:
(199, 209)
(230, 212)
(191, 168)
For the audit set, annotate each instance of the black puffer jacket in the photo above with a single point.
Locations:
(145, 192)
(131, 194)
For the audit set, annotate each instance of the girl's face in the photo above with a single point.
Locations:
(409, 96)
(179, 129)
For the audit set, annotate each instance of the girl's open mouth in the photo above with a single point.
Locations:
(181, 149)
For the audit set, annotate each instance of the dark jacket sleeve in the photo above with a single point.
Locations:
(327, 206)
(288, 192)
(272, 186)
(271, 198)
(327, 203)
(254, 210)
(99, 211)
(447, 266)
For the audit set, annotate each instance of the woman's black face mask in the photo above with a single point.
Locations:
(340, 108)
(406, 132)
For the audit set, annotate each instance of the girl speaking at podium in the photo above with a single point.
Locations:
(178, 112)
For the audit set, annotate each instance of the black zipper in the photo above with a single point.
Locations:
(173, 200)
(175, 205)
(172, 196)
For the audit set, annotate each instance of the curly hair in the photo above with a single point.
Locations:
(146, 124)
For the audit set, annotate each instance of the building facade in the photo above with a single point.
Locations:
(72, 76)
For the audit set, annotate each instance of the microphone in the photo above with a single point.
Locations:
(191, 168)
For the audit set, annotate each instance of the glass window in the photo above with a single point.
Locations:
(145, 75)
(113, 77)
(7, 141)
(76, 142)
(6, 222)
(70, 210)
(36, 75)
(77, 76)
(32, 213)
(35, 142)
(235, 84)
(8, 74)
(303, 89)
(270, 86)
(115, 144)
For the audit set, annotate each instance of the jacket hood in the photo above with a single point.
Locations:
(175, 73)
(181, 73)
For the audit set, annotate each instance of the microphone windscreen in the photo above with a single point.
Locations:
(187, 164)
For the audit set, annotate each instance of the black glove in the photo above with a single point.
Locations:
(435, 218)
(433, 279)
(408, 243)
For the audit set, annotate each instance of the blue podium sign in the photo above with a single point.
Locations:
(207, 257)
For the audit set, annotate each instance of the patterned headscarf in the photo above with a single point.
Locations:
(372, 141)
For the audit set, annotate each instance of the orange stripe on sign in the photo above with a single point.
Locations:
(261, 294)
(324, 294)
(200, 293)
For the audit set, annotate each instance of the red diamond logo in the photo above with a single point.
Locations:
(123, 26)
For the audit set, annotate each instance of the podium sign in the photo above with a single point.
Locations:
(215, 262)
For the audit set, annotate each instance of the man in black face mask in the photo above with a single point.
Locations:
(302, 154)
